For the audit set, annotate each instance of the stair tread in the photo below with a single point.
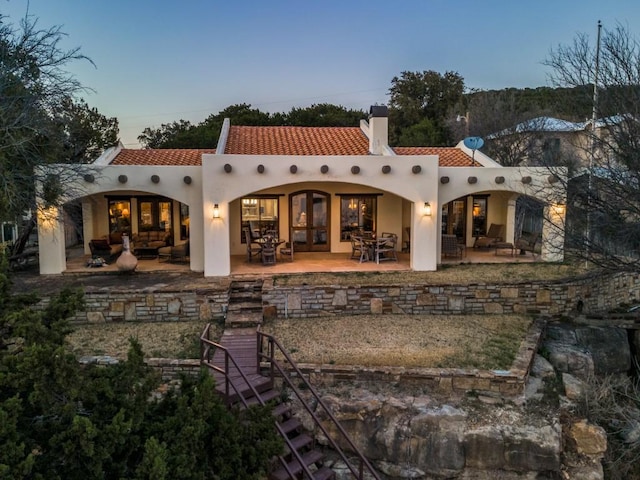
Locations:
(308, 458)
(281, 410)
(324, 473)
(300, 441)
(290, 425)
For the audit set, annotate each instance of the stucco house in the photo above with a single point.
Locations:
(311, 184)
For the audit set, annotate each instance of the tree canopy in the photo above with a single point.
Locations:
(42, 120)
(63, 420)
(183, 134)
(605, 193)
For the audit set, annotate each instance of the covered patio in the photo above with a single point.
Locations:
(304, 262)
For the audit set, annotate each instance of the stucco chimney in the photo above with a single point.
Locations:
(378, 129)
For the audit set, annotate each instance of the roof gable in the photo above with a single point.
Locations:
(161, 156)
(244, 140)
(448, 156)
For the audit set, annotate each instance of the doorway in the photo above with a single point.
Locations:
(309, 220)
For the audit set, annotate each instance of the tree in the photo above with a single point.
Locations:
(416, 96)
(41, 121)
(605, 195)
(62, 420)
(324, 115)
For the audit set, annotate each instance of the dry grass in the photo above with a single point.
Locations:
(160, 339)
(445, 341)
(446, 274)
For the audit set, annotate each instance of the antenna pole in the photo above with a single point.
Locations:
(594, 117)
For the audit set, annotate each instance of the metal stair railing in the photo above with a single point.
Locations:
(207, 346)
(266, 353)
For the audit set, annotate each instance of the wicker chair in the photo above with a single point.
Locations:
(451, 247)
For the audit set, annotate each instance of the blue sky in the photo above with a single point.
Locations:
(159, 60)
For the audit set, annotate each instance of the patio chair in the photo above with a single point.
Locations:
(253, 248)
(451, 247)
(527, 243)
(494, 235)
(287, 250)
(268, 253)
(177, 253)
(385, 248)
(359, 250)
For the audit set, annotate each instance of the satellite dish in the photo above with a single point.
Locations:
(473, 143)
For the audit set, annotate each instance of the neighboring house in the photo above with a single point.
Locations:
(312, 184)
(548, 141)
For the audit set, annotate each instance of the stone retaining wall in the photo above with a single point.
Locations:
(589, 294)
(158, 305)
(446, 381)
(169, 368)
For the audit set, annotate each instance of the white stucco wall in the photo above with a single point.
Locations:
(404, 194)
(223, 188)
(171, 185)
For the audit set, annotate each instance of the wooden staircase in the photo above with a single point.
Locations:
(244, 366)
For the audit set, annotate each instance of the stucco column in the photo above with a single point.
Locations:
(424, 239)
(87, 224)
(511, 221)
(553, 233)
(217, 261)
(51, 243)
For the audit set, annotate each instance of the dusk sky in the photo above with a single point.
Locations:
(160, 61)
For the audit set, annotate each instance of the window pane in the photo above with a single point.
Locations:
(184, 221)
(357, 214)
(146, 216)
(259, 215)
(165, 216)
(119, 216)
(479, 216)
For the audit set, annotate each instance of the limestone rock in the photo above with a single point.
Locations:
(541, 367)
(584, 351)
(589, 439)
(608, 346)
(573, 387)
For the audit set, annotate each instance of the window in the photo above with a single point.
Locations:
(479, 215)
(259, 214)
(357, 213)
(184, 221)
(154, 214)
(119, 215)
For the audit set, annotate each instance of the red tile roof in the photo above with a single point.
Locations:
(164, 156)
(244, 140)
(449, 156)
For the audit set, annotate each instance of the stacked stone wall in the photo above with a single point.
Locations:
(152, 306)
(591, 294)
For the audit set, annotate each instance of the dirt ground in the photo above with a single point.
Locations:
(426, 341)
(160, 339)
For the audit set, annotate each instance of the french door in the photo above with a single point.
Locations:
(309, 220)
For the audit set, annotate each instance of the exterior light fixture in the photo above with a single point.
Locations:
(216, 211)
(426, 209)
(559, 208)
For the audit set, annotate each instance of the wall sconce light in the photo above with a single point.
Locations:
(216, 211)
(559, 208)
(426, 209)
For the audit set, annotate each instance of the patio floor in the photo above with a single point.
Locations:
(303, 262)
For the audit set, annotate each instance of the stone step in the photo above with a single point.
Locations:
(245, 306)
(243, 319)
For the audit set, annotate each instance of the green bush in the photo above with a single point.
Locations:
(62, 420)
